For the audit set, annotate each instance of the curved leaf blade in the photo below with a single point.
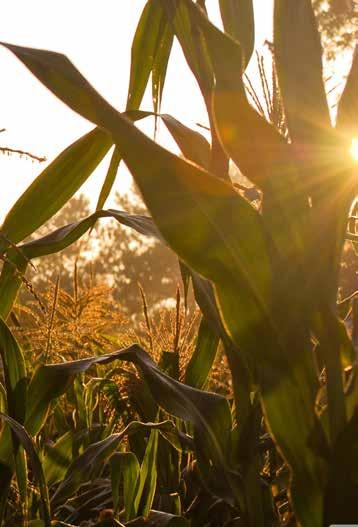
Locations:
(17, 259)
(55, 186)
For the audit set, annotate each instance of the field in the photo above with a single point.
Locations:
(237, 405)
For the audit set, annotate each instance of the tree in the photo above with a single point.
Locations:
(127, 259)
(115, 255)
(47, 269)
(337, 21)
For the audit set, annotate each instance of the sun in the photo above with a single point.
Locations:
(354, 149)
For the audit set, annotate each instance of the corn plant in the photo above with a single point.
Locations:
(266, 279)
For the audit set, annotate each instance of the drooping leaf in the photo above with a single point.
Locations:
(238, 22)
(221, 237)
(84, 466)
(208, 206)
(17, 259)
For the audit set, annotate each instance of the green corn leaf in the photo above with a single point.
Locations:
(31, 450)
(109, 179)
(84, 466)
(2, 398)
(124, 467)
(13, 364)
(149, 50)
(298, 57)
(10, 282)
(209, 413)
(191, 43)
(201, 362)
(55, 186)
(192, 144)
(255, 145)
(57, 459)
(195, 51)
(160, 62)
(147, 482)
(115, 162)
(238, 21)
(81, 469)
(206, 411)
(185, 277)
(221, 237)
(11, 456)
(207, 205)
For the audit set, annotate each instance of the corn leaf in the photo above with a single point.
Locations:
(55, 186)
(84, 466)
(208, 206)
(298, 57)
(192, 144)
(18, 259)
(149, 50)
(238, 21)
(124, 468)
(57, 458)
(194, 48)
(31, 450)
(160, 62)
(14, 370)
(147, 482)
(221, 237)
(109, 179)
(201, 361)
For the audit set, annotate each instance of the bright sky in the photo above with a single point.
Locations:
(97, 38)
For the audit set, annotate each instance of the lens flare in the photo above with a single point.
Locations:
(354, 149)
